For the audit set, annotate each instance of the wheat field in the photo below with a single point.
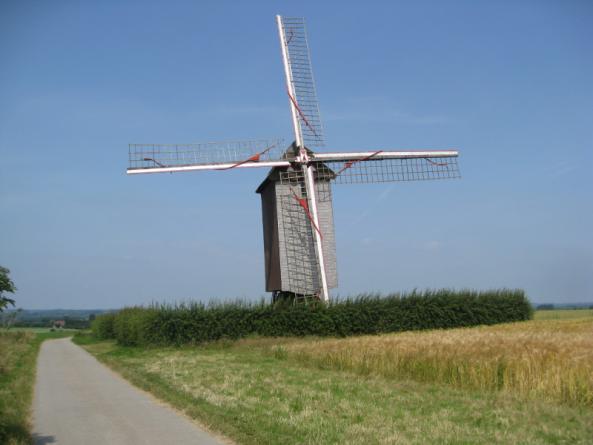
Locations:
(548, 359)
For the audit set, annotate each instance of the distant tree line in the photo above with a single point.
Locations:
(47, 322)
(564, 307)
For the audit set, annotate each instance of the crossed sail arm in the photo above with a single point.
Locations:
(346, 167)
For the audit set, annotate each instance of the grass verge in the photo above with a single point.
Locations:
(243, 391)
(18, 355)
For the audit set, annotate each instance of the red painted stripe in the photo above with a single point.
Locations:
(254, 158)
(305, 205)
(349, 164)
(301, 113)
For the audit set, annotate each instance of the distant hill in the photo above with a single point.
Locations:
(74, 318)
(581, 305)
(33, 314)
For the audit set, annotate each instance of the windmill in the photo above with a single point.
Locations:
(299, 242)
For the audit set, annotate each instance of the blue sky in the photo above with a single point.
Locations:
(508, 83)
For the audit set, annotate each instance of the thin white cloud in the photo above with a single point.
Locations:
(367, 211)
(562, 168)
(433, 245)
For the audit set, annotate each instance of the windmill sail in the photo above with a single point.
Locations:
(300, 83)
(389, 166)
(155, 158)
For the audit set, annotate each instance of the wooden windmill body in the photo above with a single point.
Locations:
(289, 245)
(296, 195)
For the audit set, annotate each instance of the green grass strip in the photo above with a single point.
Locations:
(18, 358)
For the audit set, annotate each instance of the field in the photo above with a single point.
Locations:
(42, 330)
(563, 314)
(545, 359)
(18, 354)
(528, 382)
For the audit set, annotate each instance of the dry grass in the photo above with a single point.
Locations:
(548, 359)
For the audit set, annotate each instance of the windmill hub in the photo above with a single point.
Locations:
(296, 195)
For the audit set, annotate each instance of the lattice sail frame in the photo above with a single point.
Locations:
(210, 155)
(392, 170)
(300, 82)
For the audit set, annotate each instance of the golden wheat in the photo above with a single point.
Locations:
(551, 359)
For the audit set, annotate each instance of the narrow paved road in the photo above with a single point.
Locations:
(80, 401)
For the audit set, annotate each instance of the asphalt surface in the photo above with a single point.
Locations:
(80, 401)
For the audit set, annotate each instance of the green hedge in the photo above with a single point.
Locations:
(367, 314)
(102, 326)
